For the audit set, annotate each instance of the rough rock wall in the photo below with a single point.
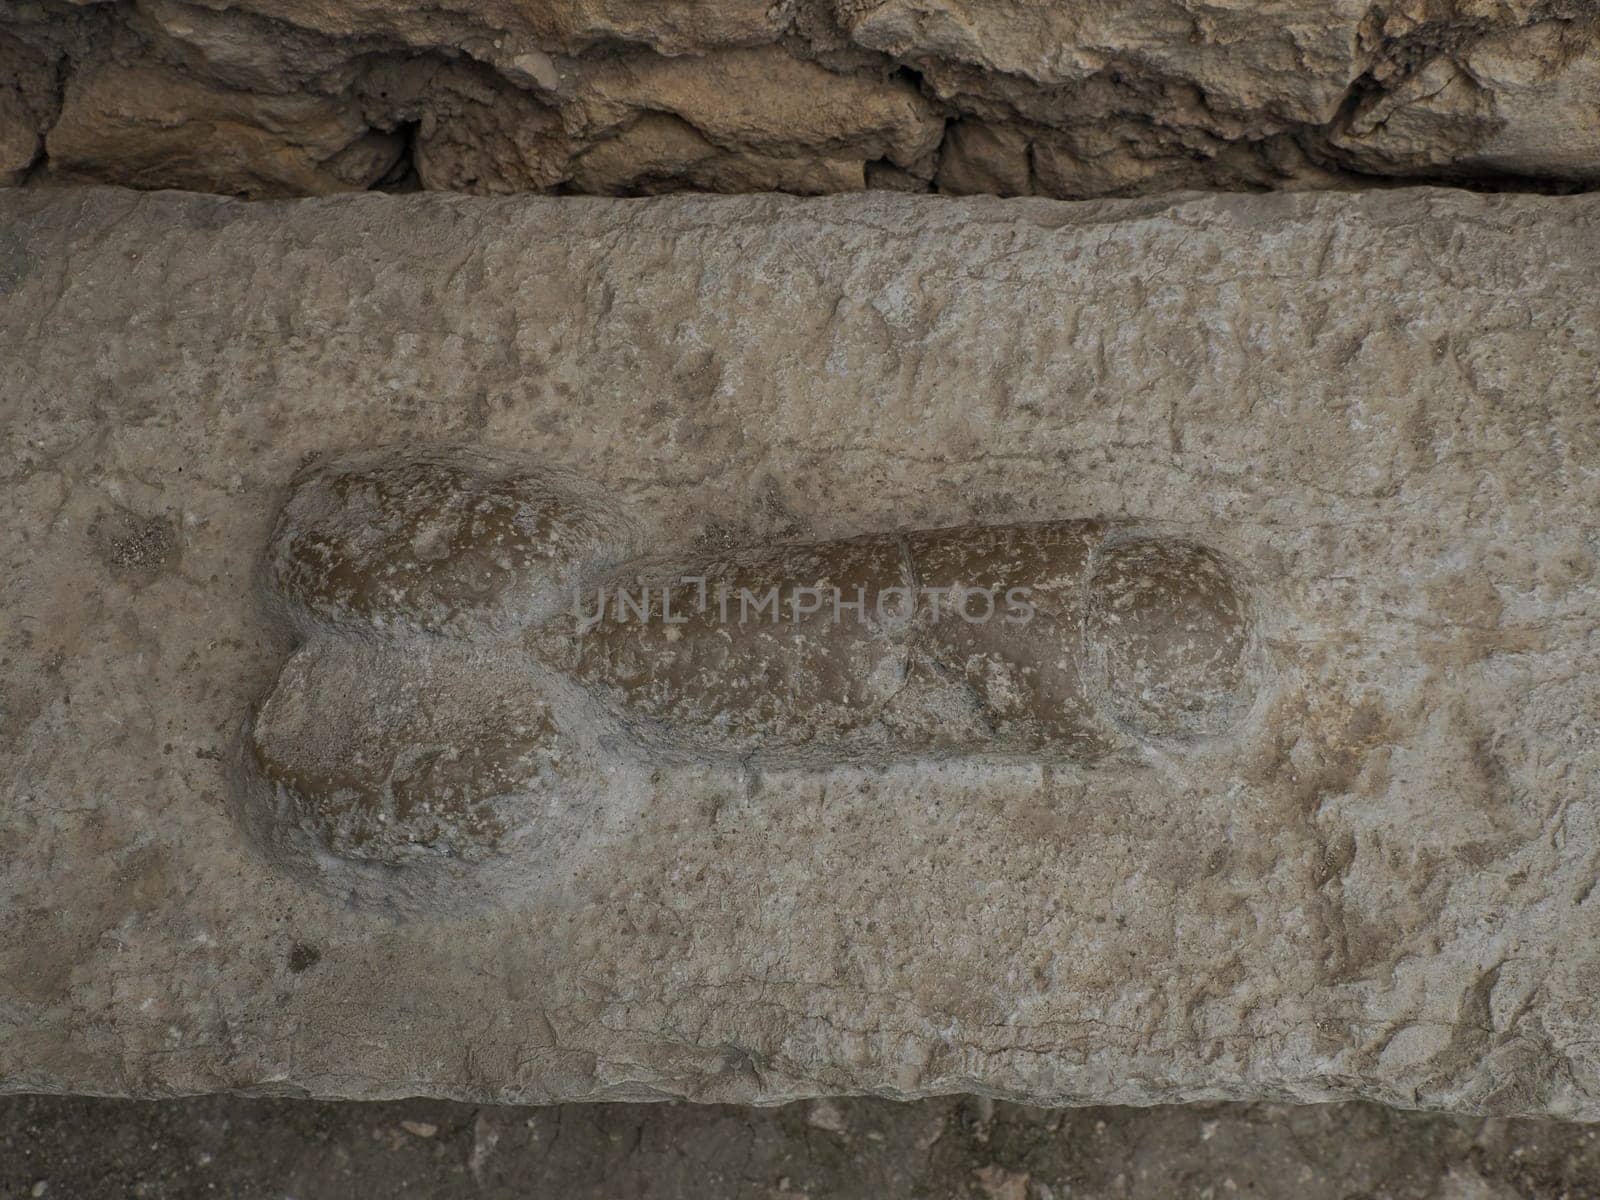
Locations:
(1011, 97)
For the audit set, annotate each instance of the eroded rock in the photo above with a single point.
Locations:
(146, 128)
(271, 97)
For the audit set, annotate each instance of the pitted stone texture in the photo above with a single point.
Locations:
(1378, 411)
(400, 774)
(456, 540)
(1011, 97)
(931, 644)
(1168, 634)
(418, 777)
(990, 642)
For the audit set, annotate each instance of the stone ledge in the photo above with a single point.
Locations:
(1379, 407)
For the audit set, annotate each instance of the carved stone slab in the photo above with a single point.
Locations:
(754, 648)
(446, 734)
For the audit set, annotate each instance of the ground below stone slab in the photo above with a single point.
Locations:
(85, 1149)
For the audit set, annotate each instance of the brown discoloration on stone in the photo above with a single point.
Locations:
(752, 673)
(446, 541)
(1168, 634)
(965, 641)
(389, 757)
(1024, 677)
(1324, 746)
(947, 642)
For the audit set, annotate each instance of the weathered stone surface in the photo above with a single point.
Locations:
(27, 102)
(660, 153)
(139, 127)
(481, 654)
(1377, 878)
(19, 141)
(1018, 97)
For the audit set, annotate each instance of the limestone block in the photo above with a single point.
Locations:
(660, 153)
(144, 127)
(764, 100)
(1515, 99)
(324, 772)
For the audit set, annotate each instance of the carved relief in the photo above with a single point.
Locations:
(483, 643)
